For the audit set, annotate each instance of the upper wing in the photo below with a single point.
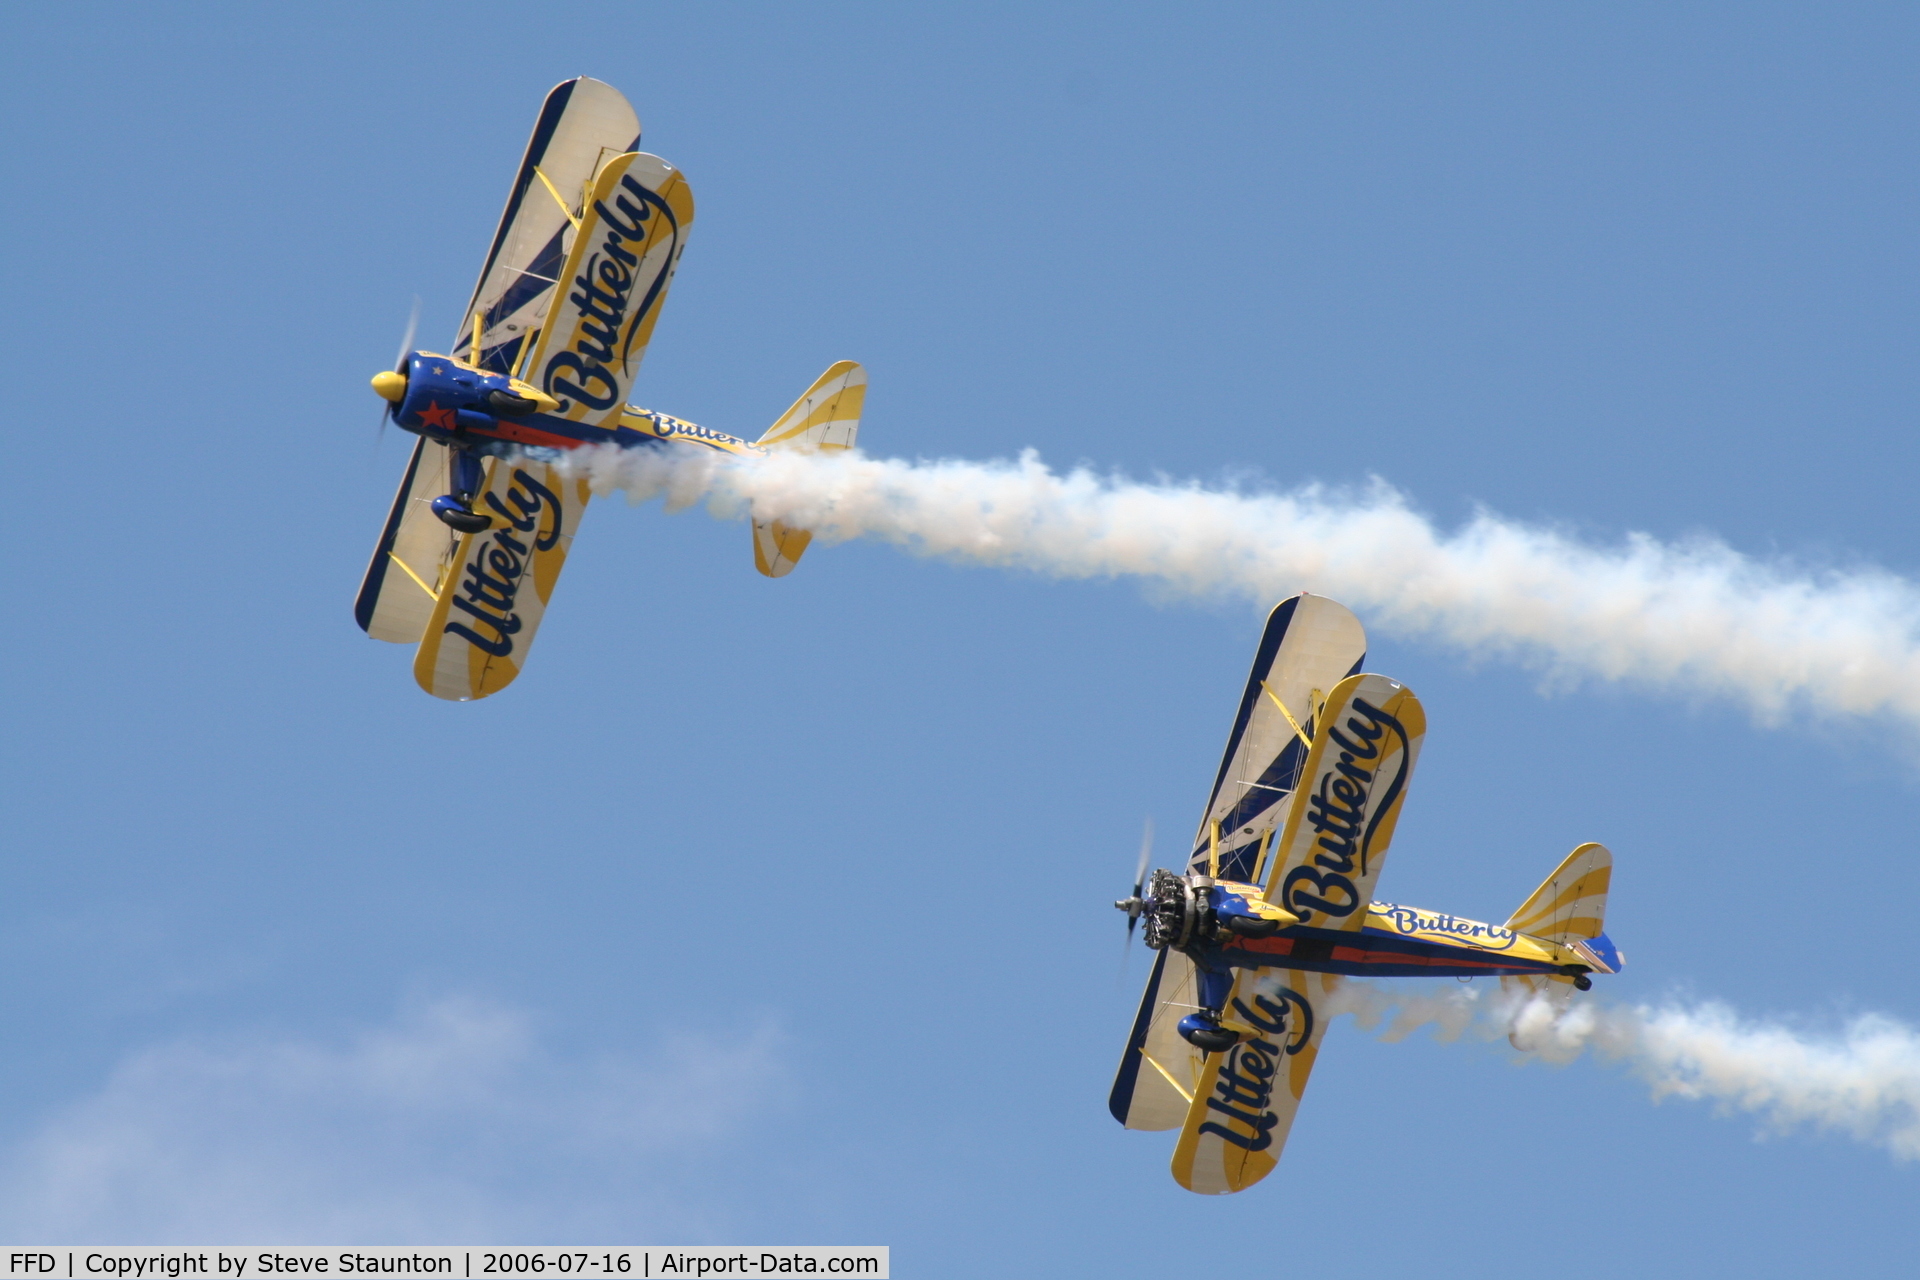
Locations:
(1244, 1102)
(397, 595)
(1158, 1070)
(582, 125)
(491, 603)
(1310, 644)
(617, 273)
(1341, 821)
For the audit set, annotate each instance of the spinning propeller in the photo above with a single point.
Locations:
(392, 384)
(1135, 905)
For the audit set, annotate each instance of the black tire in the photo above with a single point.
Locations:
(509, 404)
(465, 521)
(1251, 926)
(1218, 1041)
(1581, 982)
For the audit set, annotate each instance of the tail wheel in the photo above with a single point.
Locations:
(465, 521)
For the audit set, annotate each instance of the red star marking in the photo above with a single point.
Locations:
(434, 416)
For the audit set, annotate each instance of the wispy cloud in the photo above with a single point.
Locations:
(1698, 617)
(456, 1119)
(1862, 1080)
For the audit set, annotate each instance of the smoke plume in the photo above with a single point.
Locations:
(1699, 616)
(1863, 1082)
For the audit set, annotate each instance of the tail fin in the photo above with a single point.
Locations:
(1569, 907)
(826, 417)
(1571, 904)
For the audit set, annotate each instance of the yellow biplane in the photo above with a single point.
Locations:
(1276, 906)
(542, 364)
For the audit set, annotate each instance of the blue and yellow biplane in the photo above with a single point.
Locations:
(1276, 905)
(543, 362)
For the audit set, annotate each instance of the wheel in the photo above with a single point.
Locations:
(456, 514)
(1202, 1032)
(1581, 982)
(1215, 1041)
(464, 521)
(1251, 926)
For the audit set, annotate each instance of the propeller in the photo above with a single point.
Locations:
(1135, 905)
(383, 381)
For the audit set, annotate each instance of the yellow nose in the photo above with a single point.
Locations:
(390, 385)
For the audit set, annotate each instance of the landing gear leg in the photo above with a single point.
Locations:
(1202, 1030)
(456, 509)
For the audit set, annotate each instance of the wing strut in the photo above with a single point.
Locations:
(557, 197)
(411, 574)
(1298, 732)
(1178, 1088)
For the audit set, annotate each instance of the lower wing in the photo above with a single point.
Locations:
(403, 579)
(496, 590)
(1158, 1071)
(1244, 1101)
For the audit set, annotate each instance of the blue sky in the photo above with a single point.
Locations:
(777, 911)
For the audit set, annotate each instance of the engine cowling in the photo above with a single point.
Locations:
(439, 396)
(1184, 912)
(1178, 912)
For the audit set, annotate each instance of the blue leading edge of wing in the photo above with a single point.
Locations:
(1277, 623)
(376, 578)
(1121, 1098)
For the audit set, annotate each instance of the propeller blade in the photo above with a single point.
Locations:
(399, 366)
(1139, 883)
(1146, 855)
(406, 343)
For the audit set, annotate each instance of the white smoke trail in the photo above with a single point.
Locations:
(1864, 1081)
(1698, 616)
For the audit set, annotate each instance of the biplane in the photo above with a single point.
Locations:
(542, 364)
(1275, 906)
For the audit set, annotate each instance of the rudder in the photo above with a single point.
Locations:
(1571, 903)
(825, 418)
(1569, 907)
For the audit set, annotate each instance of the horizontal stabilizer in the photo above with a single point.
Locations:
(778, 546)
(826, 417)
